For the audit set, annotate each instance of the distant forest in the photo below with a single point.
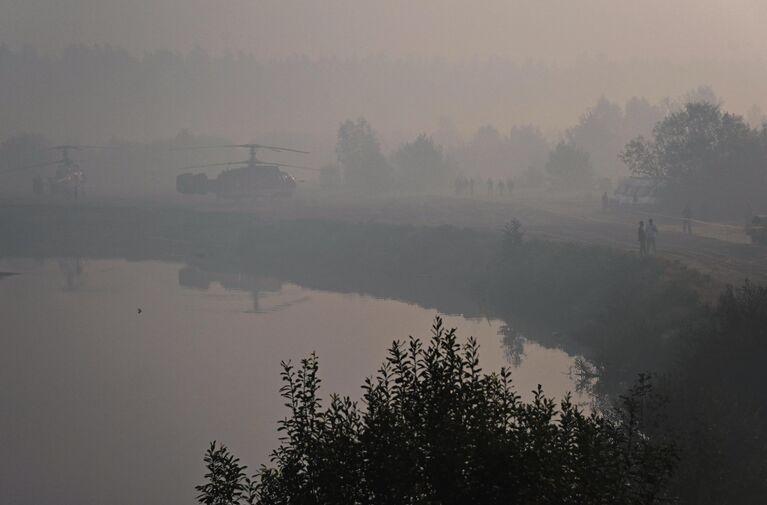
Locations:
(91, 93)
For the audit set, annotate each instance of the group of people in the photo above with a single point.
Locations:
(465, 187)
(647, 236)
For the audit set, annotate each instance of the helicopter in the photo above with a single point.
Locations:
(68, 179)
(249, 178)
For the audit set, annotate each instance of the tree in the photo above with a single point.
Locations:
(598, 133)
(705, 155)
(421, 164)
(569, 166)
(226, 483)
(716, 410)
(702, 94)
(436, 429)
(527, 147)
(604, 130)
(486, 153)
(359, 156)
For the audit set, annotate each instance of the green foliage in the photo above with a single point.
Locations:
(569, 166)
(436, 429)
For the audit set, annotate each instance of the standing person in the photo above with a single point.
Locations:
(490, 187)
(651, 234)
(642, 236)
(687, 219)
(500, 188)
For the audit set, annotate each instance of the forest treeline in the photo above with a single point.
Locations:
(700, 153)
(89, 94)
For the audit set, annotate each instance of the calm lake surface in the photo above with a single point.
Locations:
(102, 404)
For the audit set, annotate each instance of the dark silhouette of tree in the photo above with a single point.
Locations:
(527, 147)
(421, 165)
(706, 156)
(569, 166)
(225, 482)
(359, 156)
(717, 400)
(436, 429)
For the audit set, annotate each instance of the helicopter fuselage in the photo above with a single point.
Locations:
(243, 182)
(68, 180)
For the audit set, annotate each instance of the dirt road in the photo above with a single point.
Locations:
(718, 249)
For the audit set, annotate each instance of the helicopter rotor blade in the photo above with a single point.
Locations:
(210, 165)
(247, 146)
(272, 148)
(246, 163)
(186, 148)
(78, 147)
(286, 165)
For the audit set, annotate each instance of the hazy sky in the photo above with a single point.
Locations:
(558, 30)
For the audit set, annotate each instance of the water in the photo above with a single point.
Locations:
(106, 405)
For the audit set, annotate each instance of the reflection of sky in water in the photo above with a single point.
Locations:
(116, 407)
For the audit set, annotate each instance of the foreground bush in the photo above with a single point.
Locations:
(437, 430)
(717, 400)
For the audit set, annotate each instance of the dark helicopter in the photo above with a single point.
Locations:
(249, 178)
(68, 178)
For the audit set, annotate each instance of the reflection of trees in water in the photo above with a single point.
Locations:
(513, 344)
(199, 278)
(73, 269)
(586, 374)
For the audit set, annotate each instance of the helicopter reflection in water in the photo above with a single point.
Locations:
(197, 278)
